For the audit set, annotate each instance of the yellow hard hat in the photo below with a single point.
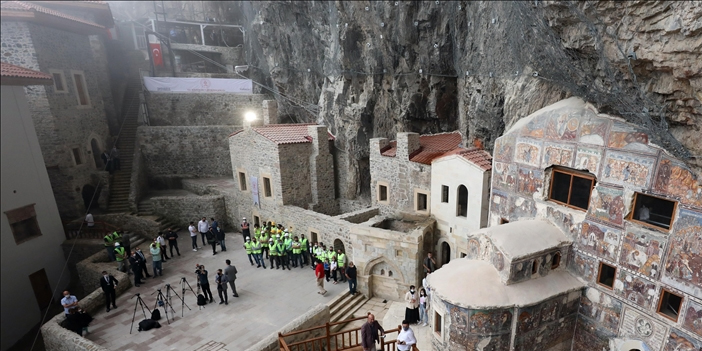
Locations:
(272, 223)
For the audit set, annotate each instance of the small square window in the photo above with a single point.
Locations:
(76, 156)
(571, 188)
(23, 223)
(606, 275)
(670, 304)
(398, 253)
(242, 181)
(503, 220)
(59, 81)
(653, 211)
(382, 193)
(257, 220)
(444, 194)
(421, 202)
(267, 192)
(437, 323)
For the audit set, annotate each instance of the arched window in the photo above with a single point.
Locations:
(445, 253)
(462, 204)
(556, 261)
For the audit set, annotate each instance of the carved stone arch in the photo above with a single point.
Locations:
(96, 143)
(382, 259)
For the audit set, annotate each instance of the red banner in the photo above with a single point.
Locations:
(156, 54)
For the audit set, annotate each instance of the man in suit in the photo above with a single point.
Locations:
(230, 272)
(142, 262)
(135, 263)
(108, 283)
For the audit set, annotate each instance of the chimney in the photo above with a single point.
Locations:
(407, 143)
(270, 112)
(322, 181)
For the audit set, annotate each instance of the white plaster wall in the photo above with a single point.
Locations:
(25, 181)
(454, 171)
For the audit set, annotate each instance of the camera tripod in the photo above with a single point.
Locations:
(139, 302)
(183, 283)
(163, 302)
(182, 301)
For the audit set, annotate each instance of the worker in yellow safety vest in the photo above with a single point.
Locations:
(341, 261)
(296, 252)
(273, 253)
(257, 254)
(120, 256)
(248, 246)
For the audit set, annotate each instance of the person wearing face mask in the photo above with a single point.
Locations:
(423, 307)
(412, 310)
(406, 338)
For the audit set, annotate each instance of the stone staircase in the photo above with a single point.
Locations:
(343, 308)
(121, 180)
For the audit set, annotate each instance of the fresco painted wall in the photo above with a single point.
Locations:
(573, 134)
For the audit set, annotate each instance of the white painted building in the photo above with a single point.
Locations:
(32, 233)
(460, 184)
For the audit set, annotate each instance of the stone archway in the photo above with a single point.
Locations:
(445, 253)
(339, 245)
(385, 279)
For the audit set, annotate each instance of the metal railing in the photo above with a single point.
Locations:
(336, 341)
(73, 230)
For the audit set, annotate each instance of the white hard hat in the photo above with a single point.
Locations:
(244, 218)
(116, 244)
(248, 238)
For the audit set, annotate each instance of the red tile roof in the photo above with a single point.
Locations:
(30, 7)
(476, 156)
(9, 70)
(431, 146)
(285, 133)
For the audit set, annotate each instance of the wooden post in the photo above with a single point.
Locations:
(328, 340)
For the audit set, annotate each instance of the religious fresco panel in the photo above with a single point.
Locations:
(563, 127)
(558, 154)
(529, 318)
(641, 252)
(528, 152)
(680, 341)
(562, 220)
(623, 168)
(626, 137)
(501, 205)
(607, 205)
(599, 239)
(524, 208)
(584, 266)
(594, 131)
(470, 328)
(555, 334)
(693, 317)
(529, 181)
(606, 314)
(504, 148)
(684, 260)
(588, 159)
(504, 176)
(635, 289)
(675, 180)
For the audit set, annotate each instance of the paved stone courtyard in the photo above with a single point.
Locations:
(267, 301)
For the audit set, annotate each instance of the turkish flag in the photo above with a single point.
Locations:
(156, 54)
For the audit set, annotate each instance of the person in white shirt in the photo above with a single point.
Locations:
(203, 226)
(193, 235)
(406, 338)
(164, 245)
(89, 220)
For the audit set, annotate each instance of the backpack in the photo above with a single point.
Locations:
(201, 301)
(210, 236)
(156, 314)
(148, 324)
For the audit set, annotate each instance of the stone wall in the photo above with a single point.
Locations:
(228, 55)
(317, 316)
(181, 210)
(261, 160)
(188, 109)
(400, 174)
(196, 151)
(139, 180)
(60, 122)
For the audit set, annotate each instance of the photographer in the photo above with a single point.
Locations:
(203, 282)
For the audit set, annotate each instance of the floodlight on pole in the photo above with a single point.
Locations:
(250, 116)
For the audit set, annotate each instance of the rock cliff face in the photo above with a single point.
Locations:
(372, 69)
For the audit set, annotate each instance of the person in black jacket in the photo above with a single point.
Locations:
(135, 264)
(172, 237)
(220, 238)
(203, 282)
(108, 283)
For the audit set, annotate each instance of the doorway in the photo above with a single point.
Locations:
(339, 245)
(42, 288)
(95, 148)
(87, 195)
(445, 253)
